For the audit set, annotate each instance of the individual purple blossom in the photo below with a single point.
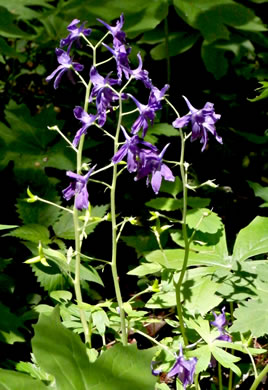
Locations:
(202, 121)
(104, 95)
(78, 188)
(183, 369)
(66, 63)
(120, 54)
(119, 36)
(140, 74)
(155, 371)
(150, 164)
(86, 120)
(75, 34)
(220, 323)
(147, 112)
(131, 148)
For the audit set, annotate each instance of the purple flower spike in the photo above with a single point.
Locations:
(183, 369)
(78, 188)
(141, 74)
(75, 34)
(86, 120)
(150, 164)
(120, 54)
(131, 148)
(202, 121)
(119, 36)
(220, 322)
(66, 64)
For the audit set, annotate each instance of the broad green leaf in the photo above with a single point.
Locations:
(226, 359)
(50, 278)
(252, 240)
(203, 356)
(214, 59)
(9, 326)
(178, 42)
(61, 353)
(165, 204)
(6, 227)
(12, 380)
(162, 300)
(160, 129)
(61, 295)
(141, 242)
(239, 347)
(8, 28)
(263, 90)
(33, 370)
(172, 187)
(31, 232)
(203, 220)
(253, 317)
(123, 368)
(145, 269)
(196, 202)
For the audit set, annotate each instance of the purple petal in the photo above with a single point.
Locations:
(179, 123)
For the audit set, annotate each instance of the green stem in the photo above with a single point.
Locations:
(53, 204)
(230, 381)
(260, 377)
(183, 169)
(154, 341)
(114, 234)
(220, 376)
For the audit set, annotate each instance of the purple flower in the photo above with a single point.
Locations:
(150, 164)
(183, 369)
(104, 95)
(155, 371)
(75, 34)
(120, 54)
(202, 121)
(131, 148)
(66, 64)
(220, 322)
(141, 74)
(147, 112)
(119, 36)
(86, 119)
(78, 188)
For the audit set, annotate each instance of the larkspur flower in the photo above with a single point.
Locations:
(202, 121)
(86, 119)
(220, 323)
(140, 74)
(155, 371)
(131, 148)
(103, 94)
(119, 36)
(75, 34)
(66, 63)
(120, 54)
(150, 165)
(78, 188)
(183, 369)
(147, 112)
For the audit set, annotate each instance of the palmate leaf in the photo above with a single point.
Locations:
(62, 354)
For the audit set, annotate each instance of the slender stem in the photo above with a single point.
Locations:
(114, 233)
(154, 341)
(63, 136)
(53, 204)
(81, 78)
(230, 381)
(148, 289)
(197, 387)
(104, 62)
(183, 169)
(260, 377)
(252, 361)
(220, 376)
(173, 108)
(130, 112)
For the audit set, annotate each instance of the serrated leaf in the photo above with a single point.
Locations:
(50, 278)
(252, 240)
(253, 317)
(203, 220)
(165, 204)
(31, 232)
(11, 380)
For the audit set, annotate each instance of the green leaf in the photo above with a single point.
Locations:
(172, 187)
(214, 59)
(165, 204)
(178, 42)
(61, 295)
(62, 354)
(203, 355)
(160, 129)
(203, 220)
(4, 227)
(9, 326)
(259, 190)
(145, 269)
(253, 317)
(264, 91)
(50, 278)
(9, 51)
(100, 320)
(252, 240)
(11, 380)
(226, 359)
(8, 29)
(64, 228)
(31, 232)
(22, 8)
